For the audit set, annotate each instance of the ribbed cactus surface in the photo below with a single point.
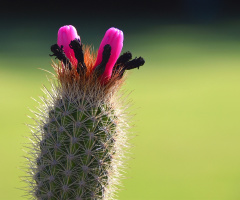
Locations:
(76, 150)
(78, 145)
(80, 132)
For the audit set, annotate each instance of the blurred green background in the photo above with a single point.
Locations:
(186, 100)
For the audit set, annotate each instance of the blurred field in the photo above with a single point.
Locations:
(186, 100)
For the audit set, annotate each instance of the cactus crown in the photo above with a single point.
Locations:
(80, 130)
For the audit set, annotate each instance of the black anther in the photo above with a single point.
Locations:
(105, 57)
(135, 63)
(60, 55)
(132, 64)
(78, 51)
(124, 58)
(121, 61)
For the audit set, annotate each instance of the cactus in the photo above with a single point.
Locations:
(80, 131)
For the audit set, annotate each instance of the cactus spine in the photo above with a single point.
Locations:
(79, 136)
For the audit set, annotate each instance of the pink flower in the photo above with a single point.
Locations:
(65, 35)
(113, 37)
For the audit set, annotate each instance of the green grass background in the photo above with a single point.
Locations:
(186, 104)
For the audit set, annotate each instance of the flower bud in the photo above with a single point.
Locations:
(65, 35)
(113, 37)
